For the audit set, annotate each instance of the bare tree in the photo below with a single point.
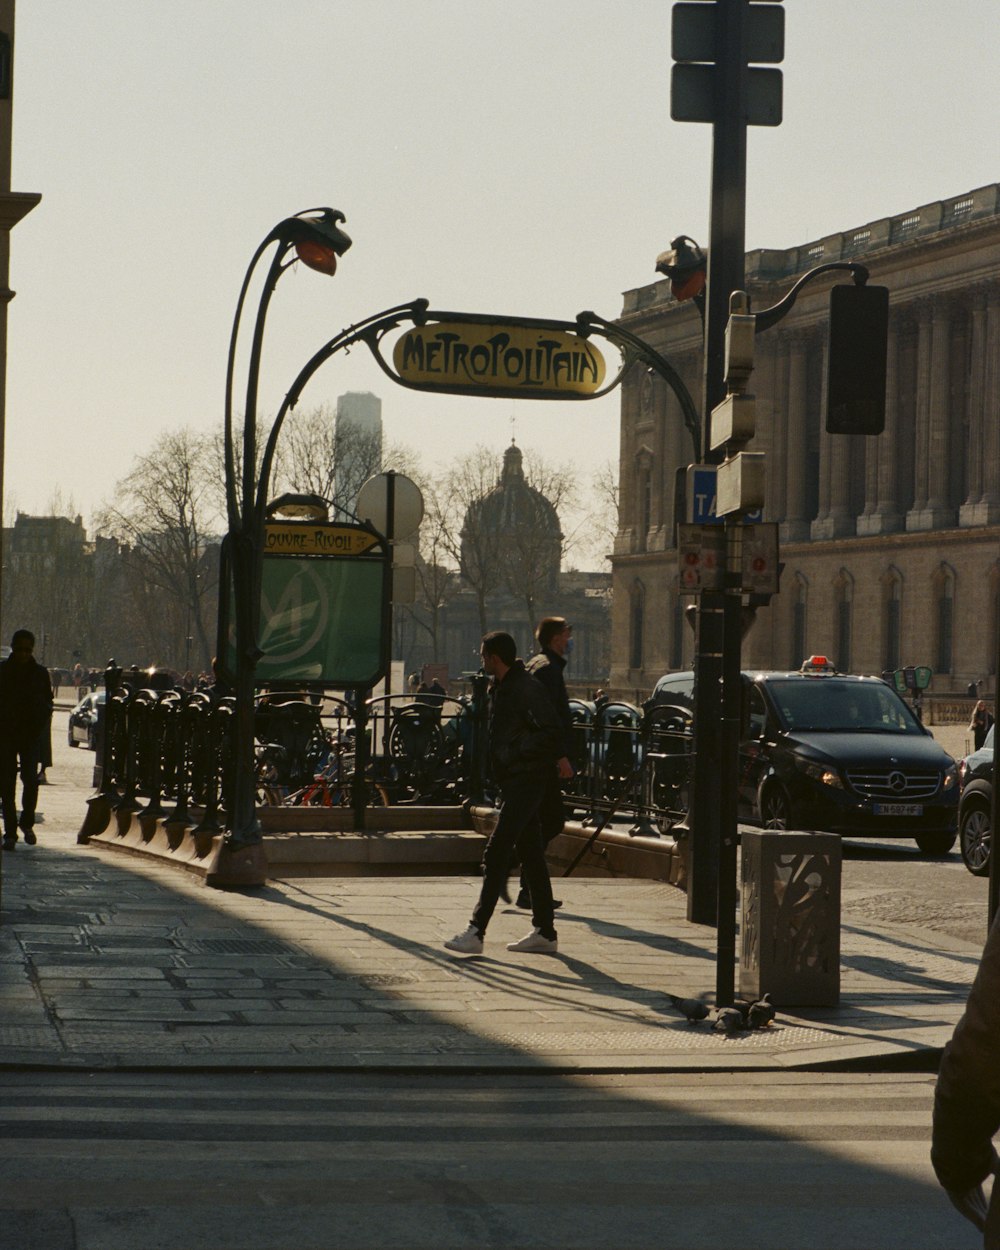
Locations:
(603, 519)
(165, 516)
(317, 455)
(469, 540)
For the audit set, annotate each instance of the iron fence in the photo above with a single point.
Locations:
(167, 753)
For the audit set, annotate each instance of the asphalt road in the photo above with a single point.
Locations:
(314, 1161)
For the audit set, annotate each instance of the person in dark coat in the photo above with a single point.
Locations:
(967, 1102)
(554, 636)
(524, 743)
(45, 744)
(25, 709)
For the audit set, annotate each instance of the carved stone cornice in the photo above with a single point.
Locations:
(797, 338)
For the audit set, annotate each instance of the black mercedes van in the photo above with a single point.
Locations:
(836, 753)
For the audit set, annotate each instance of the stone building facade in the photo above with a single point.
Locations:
(889, 543)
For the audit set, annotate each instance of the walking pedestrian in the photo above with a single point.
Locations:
(524, 744)
(554, 636)
(45, 741)
(25, 707)
(979, 725)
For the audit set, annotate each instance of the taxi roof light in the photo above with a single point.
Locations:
(817, 664)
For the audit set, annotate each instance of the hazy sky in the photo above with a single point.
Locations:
(512, 158)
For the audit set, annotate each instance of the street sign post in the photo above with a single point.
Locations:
(701, 556)
(700, 496)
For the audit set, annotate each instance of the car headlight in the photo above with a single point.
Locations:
(950, 777)
(819, 772)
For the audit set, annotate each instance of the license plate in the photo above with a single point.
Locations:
(898, 809)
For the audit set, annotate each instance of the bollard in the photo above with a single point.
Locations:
(790, 930)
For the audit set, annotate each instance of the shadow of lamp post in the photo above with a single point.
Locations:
(313, 237)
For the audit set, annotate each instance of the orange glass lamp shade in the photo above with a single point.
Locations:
(688, 287)
(318, 256)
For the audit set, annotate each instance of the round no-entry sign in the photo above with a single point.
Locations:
(407, 504)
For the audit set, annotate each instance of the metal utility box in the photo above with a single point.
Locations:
(790, 931)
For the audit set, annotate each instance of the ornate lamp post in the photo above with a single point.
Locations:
(315, 238)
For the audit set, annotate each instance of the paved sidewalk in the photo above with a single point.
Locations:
(109, 961)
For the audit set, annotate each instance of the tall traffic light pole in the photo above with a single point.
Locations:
(713, 43)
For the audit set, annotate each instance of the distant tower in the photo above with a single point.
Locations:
(358, 433)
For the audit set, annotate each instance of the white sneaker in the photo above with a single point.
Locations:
(535, 943)
(467, 943)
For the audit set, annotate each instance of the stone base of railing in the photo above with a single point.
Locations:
(398, 841)
(615, 853)
(202, 851)
(296, 842)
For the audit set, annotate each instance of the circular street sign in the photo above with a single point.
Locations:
(407, 509)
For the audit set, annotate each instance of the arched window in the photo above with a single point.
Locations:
(637, 614)
(800, 588)
(892, 619)
(844, 598)
(643, 496)
(944, 598)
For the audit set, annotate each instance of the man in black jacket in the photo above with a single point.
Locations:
(555, 641)
(525, 742)
(25, 706)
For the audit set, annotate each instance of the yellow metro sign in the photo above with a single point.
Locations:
(499, 358)
(304, 538)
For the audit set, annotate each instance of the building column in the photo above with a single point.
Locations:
(931, 508)
(774, 374)
(626, 540)
(795, 526)
(882, 514)
(873, 446)
(983, 504)
(921, 430)
(991, 407)
(835, 519)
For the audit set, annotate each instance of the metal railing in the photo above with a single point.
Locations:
(166, 753)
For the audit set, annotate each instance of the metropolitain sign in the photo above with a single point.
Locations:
(499, 358)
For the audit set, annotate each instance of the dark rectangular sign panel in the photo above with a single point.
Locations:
(859, 339)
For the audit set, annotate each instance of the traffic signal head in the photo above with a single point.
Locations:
(859, 336)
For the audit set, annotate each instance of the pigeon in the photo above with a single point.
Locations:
(743, 1007)
(728, 1020)
(693, 1008)
(761, 1013)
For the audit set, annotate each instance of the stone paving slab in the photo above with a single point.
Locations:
(109, 961)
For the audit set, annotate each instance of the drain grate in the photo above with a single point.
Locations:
(384, 980)
(237, 946)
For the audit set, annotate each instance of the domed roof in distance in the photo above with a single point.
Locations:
(513, 504)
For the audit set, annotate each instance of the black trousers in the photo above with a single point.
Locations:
(517, 833)
(11, 753)
(551, 815)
